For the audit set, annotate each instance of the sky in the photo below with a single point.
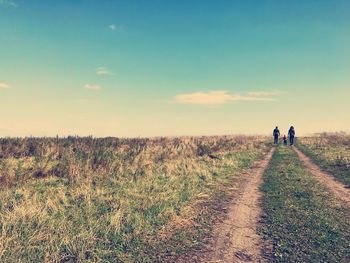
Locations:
(173, 67)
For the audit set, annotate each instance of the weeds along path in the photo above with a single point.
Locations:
(336, 188)
(236, 238)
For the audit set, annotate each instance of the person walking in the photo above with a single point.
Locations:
(291, 134)
(276, 133)
(284, 139)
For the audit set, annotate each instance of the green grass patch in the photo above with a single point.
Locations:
(330, 152)
(303, 222)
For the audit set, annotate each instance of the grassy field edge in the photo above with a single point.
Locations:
(112, 200)
(338, 167)
(301, 220)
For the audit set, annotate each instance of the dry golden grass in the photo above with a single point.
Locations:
(120, 200)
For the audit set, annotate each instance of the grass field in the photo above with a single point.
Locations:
(120, 200)
(331, 152)
(301, 219)
(146, 200)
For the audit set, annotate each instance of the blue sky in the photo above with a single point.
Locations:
(149, 68)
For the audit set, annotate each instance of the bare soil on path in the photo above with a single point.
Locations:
(338, 189)
(235, 239)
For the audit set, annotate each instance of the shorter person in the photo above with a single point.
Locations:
(284, 139)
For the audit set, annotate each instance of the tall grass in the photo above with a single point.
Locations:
(120, 200)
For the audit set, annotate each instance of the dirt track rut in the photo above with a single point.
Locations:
(236, 239)
(336, 188)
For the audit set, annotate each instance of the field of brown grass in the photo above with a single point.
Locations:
(122, 200)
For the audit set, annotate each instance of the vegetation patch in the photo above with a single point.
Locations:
(115, 200)
(331, 152)
(301, 219)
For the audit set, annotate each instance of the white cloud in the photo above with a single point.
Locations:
(5, 86)
(265, 93)
(9, 2)
(114, 27)
(221, 97)
(103, 71)
(92, 87)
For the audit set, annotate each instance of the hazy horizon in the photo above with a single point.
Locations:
(173, 68)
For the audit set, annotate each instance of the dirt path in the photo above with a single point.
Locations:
(333, 186)
(235, 238)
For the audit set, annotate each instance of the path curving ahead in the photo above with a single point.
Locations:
(338, 189)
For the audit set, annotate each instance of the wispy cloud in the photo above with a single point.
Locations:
(264, 93)
(103, 71)
(114, 27)
(9, 2)
(222, 97)
(5, 85)
(92, 87)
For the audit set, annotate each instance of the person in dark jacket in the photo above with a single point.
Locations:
(284, 139)
(291, 134)
(276, 134)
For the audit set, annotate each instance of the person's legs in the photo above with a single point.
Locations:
(291, 140)
(276, 140)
